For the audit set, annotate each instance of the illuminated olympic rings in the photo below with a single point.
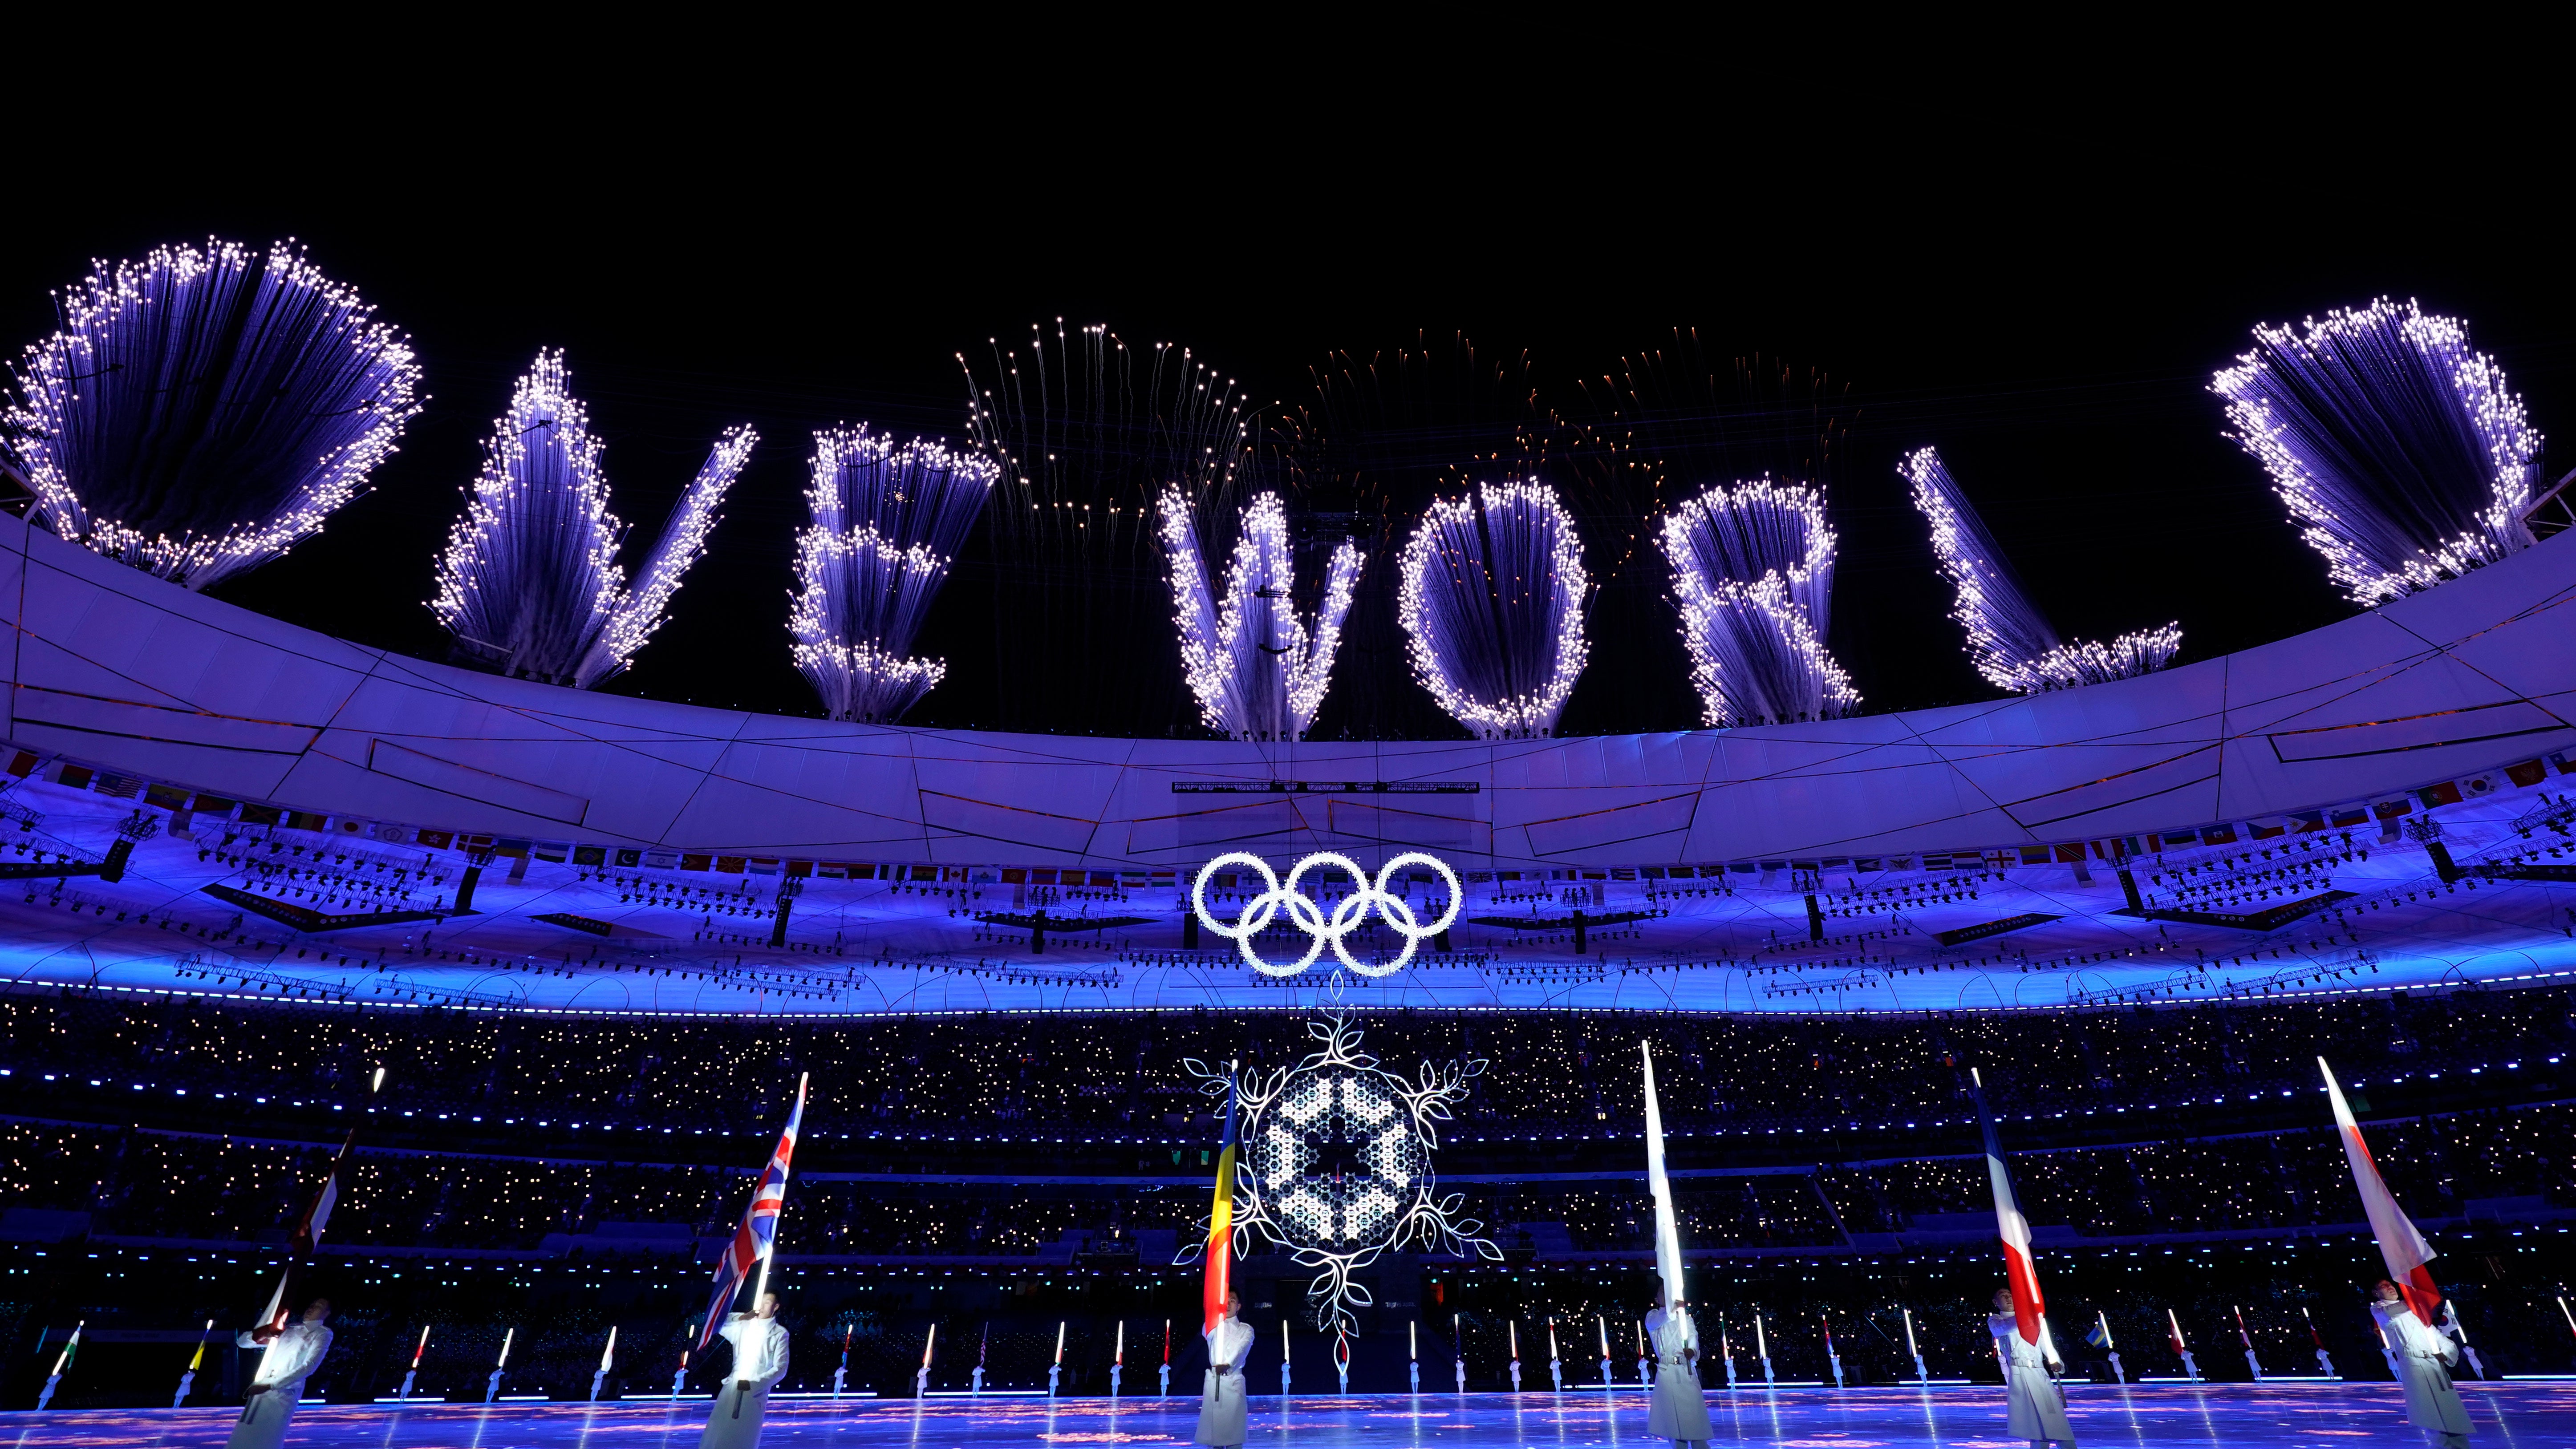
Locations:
(1348, 914)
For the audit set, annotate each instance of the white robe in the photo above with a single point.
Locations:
(1680, 1408)
(1221, 1403)
(2038, 1404)
(2424, 1357)
(289, 1359)
(760, 1356)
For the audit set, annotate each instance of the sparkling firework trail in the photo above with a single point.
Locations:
(530, 583)
(2009, 639)
(1753, 573)
(1259, 672)
(205, 409)
(1086, 434)
(1492, 603)
(888, 521)
(2402, 455)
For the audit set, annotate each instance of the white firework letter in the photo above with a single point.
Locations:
(1492, 600)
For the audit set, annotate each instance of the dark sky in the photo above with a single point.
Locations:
(2056, 345)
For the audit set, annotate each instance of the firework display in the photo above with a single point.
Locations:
(530, 583)
(204, 409)
(1087, 434)
(1492, 603)
(2009, 639)
(1753, 572)
(887, 522)
(2402, 455)
(1259, 671)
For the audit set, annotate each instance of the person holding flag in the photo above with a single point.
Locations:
(2019, 1322)
(2407, 1302)
(1679, 1411)
(1229, 1339)
(759, 1340)
(295, 1350)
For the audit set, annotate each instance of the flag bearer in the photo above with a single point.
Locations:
(293, 1353)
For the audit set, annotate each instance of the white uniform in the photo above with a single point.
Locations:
(760, 1356)
(1680, 1411)
(1221, 1405)
(289, 1358)
(2038, 1404)
(2424, 1357)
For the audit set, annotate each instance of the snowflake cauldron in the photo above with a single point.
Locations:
(1336, 1164)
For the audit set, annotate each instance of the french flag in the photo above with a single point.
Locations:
(2403, 1248)
(2011, 1226)
(758, 1234)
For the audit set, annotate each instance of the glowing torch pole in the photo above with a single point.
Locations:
(190, 1376)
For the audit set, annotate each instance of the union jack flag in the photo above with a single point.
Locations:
(758, 1233)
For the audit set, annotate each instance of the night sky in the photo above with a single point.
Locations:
(2056, 347)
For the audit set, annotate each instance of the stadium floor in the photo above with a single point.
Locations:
(2311, 1416)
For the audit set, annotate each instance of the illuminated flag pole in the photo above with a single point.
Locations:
(1117, 1360)
(1922, 1375)
(1604, 1323)
(1413, 1353)
(2400, 1246)
(607, 1357)
(422, 1347)
(1283, 1358)
(1555, 1365)
(71, 1346)
(1668, 1237)
(2451, 1315)
(841, 1371)
(1166, 1371)
(929, 1344)
(679, 1376)
(2323, 1360)
(2173, 1330)
(190, 1377)
(492, 1385)
(2101, 1336)
(1514, 1326)
(1055, 1371)
(1762, 1349)
(1831, 1356)
(2247, 1339)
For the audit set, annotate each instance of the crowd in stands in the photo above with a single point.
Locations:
(1102, 1073)
(144, 1183)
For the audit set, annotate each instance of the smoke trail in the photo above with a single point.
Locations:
(1753, 574)
(530, 583)
(203, 410)
(888, 521)
(1259, 672)
(2010, 641)
(1492, 604)
(2402, 455)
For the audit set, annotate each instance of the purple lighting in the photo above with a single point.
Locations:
(1753, 574)
(1257, 669)
(2008, 637)
(2403, 457)
(1492, 602)
(530, 583)
(203, 410)
(888, 520)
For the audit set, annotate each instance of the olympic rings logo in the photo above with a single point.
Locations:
(1347, 916)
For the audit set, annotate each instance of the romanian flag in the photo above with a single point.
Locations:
(2400, 1245)
(1220, 1243)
